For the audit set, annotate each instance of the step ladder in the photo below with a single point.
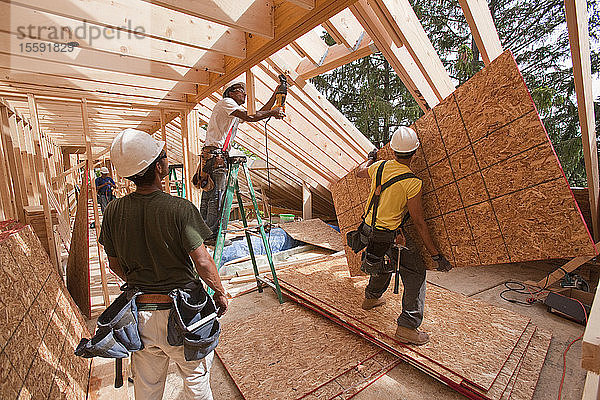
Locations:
(232, 187)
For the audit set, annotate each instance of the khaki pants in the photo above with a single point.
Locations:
(150, 365)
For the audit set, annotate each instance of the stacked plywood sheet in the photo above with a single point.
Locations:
(482, 351)
(299, 355)
(493, 189)
(39, 324)
(315, 232)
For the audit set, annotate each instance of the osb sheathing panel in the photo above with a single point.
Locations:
(315, 232)
(531, 366)
(486, 164)
(468, 337)
(78, 265)
(40, 325)
(293, 352)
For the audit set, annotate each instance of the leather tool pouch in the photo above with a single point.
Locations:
(193, 322)
(117, 330)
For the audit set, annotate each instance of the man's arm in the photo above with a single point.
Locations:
(415, 208)
(207, 270)
(363, 169)
(115, 266)
(260, 115)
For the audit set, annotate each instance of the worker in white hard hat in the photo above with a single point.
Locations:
(394, 197)
(155, 243)
(104, 188)
(211, 175)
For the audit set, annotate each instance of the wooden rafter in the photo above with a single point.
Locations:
(344, 28)
(483, 29)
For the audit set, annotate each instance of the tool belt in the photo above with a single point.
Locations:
(192, 323)
(211, 159)
(366, 234)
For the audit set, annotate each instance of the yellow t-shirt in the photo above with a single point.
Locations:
(392, 204)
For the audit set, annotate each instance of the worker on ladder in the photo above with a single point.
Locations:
(211, 175)
(395, 190)
(154, 242)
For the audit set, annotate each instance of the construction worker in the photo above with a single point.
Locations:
(153, 241)
(382, 228)
(104, 188)
(220, 134)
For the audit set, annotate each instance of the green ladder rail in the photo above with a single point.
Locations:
(233, 187)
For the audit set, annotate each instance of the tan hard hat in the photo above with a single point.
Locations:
(132, 151)
(404, 140)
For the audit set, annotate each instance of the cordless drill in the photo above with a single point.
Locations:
(281, 92)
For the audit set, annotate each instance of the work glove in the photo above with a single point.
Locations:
(443, 264)
(372, 155)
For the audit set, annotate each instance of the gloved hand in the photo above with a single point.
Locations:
(372, 155)
(443, 264)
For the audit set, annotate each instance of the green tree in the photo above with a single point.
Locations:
(371, 95)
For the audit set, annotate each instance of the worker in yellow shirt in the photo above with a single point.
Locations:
(395, 195)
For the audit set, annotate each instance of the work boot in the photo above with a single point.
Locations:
(372, 303)
(411, 335)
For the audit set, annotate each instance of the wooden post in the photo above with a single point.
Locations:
(579, 39)
(185, 148)
(306, 202)
(26, 166)
(88, 150)
(163, 135)
(265, 201)
(40, 177)
(6, 193)
(9, 126)
(251, 97)
(32, 164)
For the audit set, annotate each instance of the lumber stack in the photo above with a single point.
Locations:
(40, 326)
(481, 351)
(493, 189)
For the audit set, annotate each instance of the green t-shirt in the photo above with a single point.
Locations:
(152, 235)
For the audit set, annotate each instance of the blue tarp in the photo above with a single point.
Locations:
(278, 241)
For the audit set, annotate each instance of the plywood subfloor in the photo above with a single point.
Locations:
(40, 324)
(493, 189)
(315, 232)
(293, 353)
(481, 337)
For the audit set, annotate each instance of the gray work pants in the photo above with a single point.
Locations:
(211, 205)
(412, 273)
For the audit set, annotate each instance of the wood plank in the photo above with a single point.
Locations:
(344, 28)
(88, 149)
(42, 183)
(315, 232)
(483, 29)
(12, 154)
(163, 137)
(251, 96)
(129, 17)
(25, 166)
(312, 46)
(306, 4)
(403, 26)
(185, 145)
(591, 389)
(307, 204)
(253, 16)
(398, 57)
(337, 56)
(590, 348)
(579, 39)
(114, 42)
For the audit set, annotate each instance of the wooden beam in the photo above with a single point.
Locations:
(590, 348)
(139, 20)
(163, 136)
(483, 29)
(126, 44)
(579, 39)
(306, 202)
(403, 26)
(290, 23)
(253, 16)
(41, 178)
(88, 149)
(591, 389)
(312, 46)
(344, 28)
(398, 57)
(185, 145)
(12, 153)
(337, 56)
(251, 97)
(306, 4)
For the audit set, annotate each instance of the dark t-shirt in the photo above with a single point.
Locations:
(107, 189)
(152, 235)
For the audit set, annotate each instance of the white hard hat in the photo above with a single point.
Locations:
(132, 151)
(104, 170)
(404, 140)
(234, 83)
